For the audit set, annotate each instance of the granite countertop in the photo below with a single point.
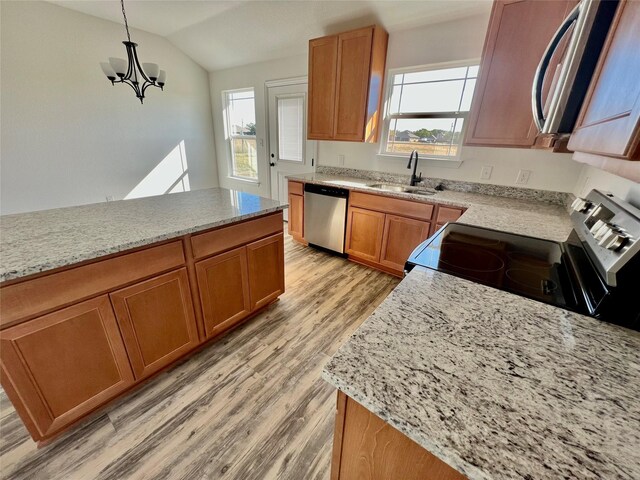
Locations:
(39, 241)
(496, 385)
(523, 216)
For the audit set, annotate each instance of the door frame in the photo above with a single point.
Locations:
(283, 82)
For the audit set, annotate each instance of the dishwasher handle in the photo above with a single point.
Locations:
(326, 190)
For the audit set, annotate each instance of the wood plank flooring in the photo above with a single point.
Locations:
(251, 406)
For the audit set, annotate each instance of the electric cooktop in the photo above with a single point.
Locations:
(526, 266)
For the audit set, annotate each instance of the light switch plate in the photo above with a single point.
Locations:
(523, 177)
(485, 173)
(341, 160)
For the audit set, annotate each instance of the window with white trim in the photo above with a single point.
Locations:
(240, 125)
(427, 109)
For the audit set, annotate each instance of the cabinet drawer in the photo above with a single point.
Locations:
(226, 238)
(448, 214)
(296, 188)
(24, 300)
(406, 208)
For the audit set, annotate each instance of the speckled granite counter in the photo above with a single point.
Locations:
(526, 217)
(44, 240)
(498, 386)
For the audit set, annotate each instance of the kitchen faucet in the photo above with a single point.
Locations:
(414, 179)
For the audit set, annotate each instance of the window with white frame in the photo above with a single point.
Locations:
(426, 111)
(240, 122)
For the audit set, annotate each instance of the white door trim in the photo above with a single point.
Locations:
(283, 82)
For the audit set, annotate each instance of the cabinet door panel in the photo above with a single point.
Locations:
(61, 366)
(266, 270)
(296, 216)
(323, 61)
(364, 233)
(373, 450)
(401, 236)
(157, 321)
(223, 282)
(354, 59)
(448, 214)
(518, 34)
(610, 121)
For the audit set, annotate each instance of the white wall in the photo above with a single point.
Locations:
(254, 75)
(67, 136)
(592, 177)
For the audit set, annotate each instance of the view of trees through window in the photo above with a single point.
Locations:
(241, 128)
(427, 110)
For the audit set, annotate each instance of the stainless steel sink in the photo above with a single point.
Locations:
(402, 189)
(390, 188)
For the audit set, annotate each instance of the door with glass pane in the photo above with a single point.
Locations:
(289, 150)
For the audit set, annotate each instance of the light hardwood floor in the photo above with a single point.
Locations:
(251, 406)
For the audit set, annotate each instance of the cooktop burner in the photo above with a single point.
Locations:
(471, 258)
(522, 265)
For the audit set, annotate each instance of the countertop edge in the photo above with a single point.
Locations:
(69, 262)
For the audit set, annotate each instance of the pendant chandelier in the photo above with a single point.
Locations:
(129, 71)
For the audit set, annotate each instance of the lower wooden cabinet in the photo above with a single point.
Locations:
(401, 235)
(223, 283)
(157, 321)
(296, 216)
(364, 233)
(58, 367)
(61, 366)
(265, 260)
(367, 448)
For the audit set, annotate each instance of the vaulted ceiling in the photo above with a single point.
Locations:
(224, 34)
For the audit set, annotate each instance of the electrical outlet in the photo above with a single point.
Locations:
(109, 198)
(485, 173)
(341, 160)
(523, 177)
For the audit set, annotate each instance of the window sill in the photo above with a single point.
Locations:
(244, 180)
(433, 161)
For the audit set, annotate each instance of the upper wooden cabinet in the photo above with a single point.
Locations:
(346, 73)
(157, 321)
(518, 34)
(61, 366)
(609, 123)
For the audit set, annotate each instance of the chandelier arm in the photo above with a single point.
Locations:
(130, 65)
(137, 63)
(135, 88)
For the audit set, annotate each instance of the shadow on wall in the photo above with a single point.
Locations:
(171, 175)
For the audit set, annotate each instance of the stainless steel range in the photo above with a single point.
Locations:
(595, 272)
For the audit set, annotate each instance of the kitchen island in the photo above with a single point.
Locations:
(490, 384)
(98, 298)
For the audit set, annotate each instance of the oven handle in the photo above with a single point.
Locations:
(541, 71)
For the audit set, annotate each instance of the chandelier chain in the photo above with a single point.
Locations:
(126, 24)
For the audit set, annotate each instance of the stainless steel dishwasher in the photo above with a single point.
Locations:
(325, 216)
